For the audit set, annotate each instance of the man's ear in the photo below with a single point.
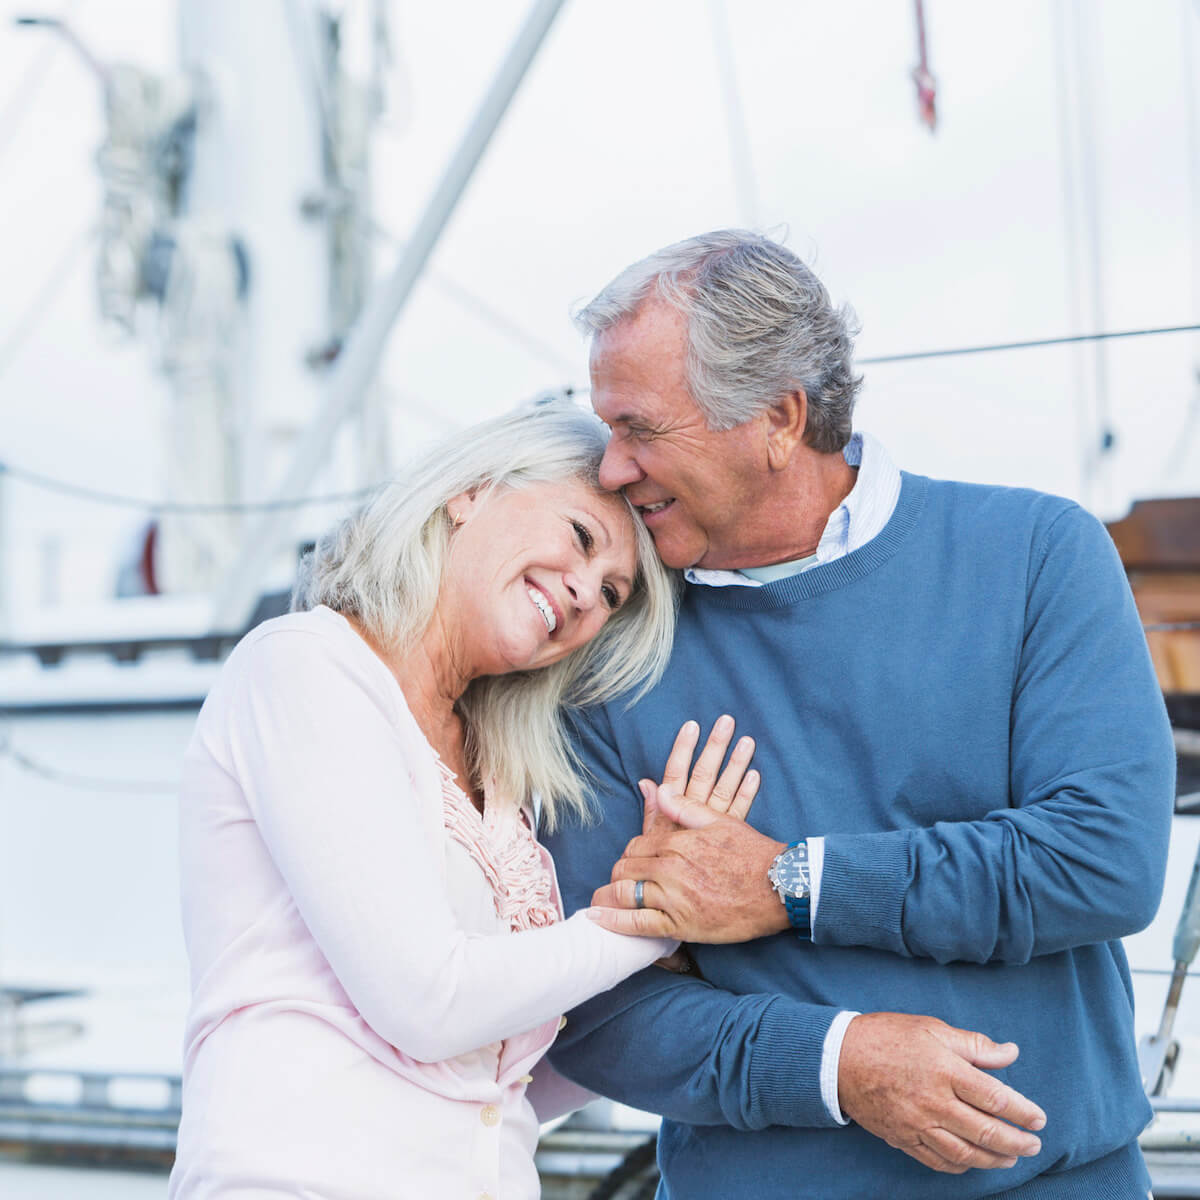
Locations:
(787, 420)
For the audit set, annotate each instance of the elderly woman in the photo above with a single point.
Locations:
(377, 947)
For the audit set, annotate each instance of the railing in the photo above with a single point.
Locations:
(122, 1111)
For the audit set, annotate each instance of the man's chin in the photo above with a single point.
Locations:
(674, 555)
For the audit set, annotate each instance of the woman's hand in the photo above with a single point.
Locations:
(731, 790)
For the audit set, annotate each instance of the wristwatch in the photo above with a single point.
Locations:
(789, 877)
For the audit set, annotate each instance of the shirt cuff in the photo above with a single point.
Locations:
(816, 861)
(831, 1054)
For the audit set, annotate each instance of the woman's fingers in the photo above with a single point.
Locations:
(731, 790)
(732, 778)
(680, 758)
(744, 796)
(704, 773)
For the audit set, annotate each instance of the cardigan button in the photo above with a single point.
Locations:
(490, 1115)
(525, 1079)
(562, 1024)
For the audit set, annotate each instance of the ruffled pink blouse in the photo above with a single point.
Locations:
(501, 842)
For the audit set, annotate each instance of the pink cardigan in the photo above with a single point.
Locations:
(364, 1022)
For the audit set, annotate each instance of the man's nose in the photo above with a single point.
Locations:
(618, 468)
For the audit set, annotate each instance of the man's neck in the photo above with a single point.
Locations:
(791, 516)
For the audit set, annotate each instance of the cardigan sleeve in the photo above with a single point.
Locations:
(323, 770)
(1079, 855)
(674, 1044)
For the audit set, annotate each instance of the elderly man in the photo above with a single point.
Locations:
(966, 781)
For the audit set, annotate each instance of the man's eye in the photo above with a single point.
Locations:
(584, 534)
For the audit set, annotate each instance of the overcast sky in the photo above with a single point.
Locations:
(619, 142)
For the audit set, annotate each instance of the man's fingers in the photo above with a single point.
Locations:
(704, 773)
(622, 893)
(932, 1159)
(960, 1154)
(731, 778)
(632, 868)
(680, 758)
(983, 1093)
(746, 792)
(979, 1049)
(642, 922)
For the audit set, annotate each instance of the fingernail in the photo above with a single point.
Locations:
(644, 787)
(1038, 1123)
(1035, 1151)
(724, 722)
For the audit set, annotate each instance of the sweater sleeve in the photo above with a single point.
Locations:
(1079, 855)
(323, 771)
(674, 1044)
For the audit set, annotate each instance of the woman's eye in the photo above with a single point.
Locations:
(584, 534)
(611, 597)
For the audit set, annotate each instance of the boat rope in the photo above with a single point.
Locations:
(1033, 343)
(50, 484)
(34, 766)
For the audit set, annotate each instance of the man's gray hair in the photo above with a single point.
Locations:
(760, 324)
(383, 566)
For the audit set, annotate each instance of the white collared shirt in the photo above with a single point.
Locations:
(860, 517)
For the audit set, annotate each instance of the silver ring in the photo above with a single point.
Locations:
(639, 894)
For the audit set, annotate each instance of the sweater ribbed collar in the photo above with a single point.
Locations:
(830, 576)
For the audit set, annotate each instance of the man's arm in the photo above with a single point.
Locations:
(698, 1054)
(670, 1043)
(1077, 859)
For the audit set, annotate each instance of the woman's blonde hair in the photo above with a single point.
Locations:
(383, 565)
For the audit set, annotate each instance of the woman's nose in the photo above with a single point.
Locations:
(583, 589)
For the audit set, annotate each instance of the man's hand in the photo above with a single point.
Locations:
(916, 1082)
(703, 875)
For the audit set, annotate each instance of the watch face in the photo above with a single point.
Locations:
(790, 872)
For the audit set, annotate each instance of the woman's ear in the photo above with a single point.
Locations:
(461, 506)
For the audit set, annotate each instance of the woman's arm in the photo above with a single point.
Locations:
(324, 772)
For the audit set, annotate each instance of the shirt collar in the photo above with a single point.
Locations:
(860, 516)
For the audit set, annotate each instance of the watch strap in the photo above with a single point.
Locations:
(799, 908)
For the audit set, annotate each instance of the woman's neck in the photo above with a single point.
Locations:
(432, 684)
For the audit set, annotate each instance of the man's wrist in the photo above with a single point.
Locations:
(789, 879)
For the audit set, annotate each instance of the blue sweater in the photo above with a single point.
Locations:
(966, 710)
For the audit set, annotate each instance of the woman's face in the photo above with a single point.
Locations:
(533, 573)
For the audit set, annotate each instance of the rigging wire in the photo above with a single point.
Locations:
(1065, 96)
(486, 312)
(1086, 50)
(25, 93)
(61, 272)
(1027, 345)
(50, 484)
(43, 770)
(1182, 442)
(735, 116)
(98, 496)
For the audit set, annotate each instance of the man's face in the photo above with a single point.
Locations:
(693, 486)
